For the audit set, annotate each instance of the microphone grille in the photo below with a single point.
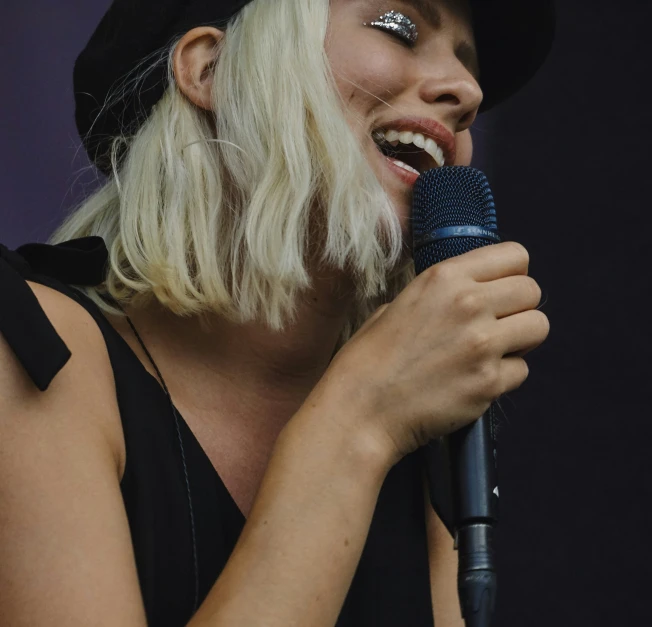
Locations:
(447, 197)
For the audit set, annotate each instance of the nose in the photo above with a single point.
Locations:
(454, 91)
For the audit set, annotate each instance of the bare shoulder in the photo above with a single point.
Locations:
(81, 395)
(70, 319)
(65, 548)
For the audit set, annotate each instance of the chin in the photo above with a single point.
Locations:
(403, 211)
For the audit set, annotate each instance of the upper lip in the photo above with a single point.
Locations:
(428, 128)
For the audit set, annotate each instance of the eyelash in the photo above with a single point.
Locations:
(396, 35)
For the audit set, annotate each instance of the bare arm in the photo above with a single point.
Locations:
(65, 550)
(298, 553)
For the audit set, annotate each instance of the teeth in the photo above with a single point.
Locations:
(419, 140)
(405, 166)
(393, 137)
(435, 152)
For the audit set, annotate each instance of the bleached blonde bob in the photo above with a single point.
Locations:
(225, 213)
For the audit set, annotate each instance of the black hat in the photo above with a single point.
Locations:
(513, 39)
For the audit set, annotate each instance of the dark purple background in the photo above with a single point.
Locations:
(39, 146)
(568, 159)
(44, 172)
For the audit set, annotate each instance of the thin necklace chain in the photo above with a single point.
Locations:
(175, 413)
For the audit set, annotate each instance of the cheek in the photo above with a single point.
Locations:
(464, 148)
(366, 79)
(379, 67)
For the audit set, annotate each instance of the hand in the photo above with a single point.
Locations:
(450, 344)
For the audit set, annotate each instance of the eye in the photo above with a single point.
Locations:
(398, 34)
(398, 25)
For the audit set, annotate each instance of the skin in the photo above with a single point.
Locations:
(326, 432)
(388, 81)
(380, 79)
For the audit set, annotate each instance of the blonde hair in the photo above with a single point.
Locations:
(218, 212)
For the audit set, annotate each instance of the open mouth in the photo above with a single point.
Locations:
(405, 148)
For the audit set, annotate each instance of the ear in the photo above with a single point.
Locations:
(193, 61)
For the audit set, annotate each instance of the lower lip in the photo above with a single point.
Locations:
(407, 177)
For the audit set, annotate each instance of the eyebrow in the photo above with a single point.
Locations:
(428, 10)
(465, 51)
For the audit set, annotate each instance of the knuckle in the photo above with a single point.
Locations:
(520, 252)
(439, 273)
(534, 290)
(479, 344)
(519, 372)
(469, 303)
(543, 322)
(490, 385)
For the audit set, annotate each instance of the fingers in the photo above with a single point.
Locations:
(513, 373)
(493, 262)
(523, 332)
(513, 295)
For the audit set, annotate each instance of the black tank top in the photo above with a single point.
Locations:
(183, 521)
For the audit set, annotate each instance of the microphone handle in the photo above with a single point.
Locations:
(475, 506)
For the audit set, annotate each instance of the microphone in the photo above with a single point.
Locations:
(454, 213)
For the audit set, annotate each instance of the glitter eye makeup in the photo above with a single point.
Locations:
(398, 24)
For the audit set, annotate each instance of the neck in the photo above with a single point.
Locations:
(259, 369)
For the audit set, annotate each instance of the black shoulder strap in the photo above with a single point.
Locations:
(43, 353)
(23, 323)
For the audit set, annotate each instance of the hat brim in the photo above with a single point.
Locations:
(513, 39)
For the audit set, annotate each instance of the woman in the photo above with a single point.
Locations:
(223, 427)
